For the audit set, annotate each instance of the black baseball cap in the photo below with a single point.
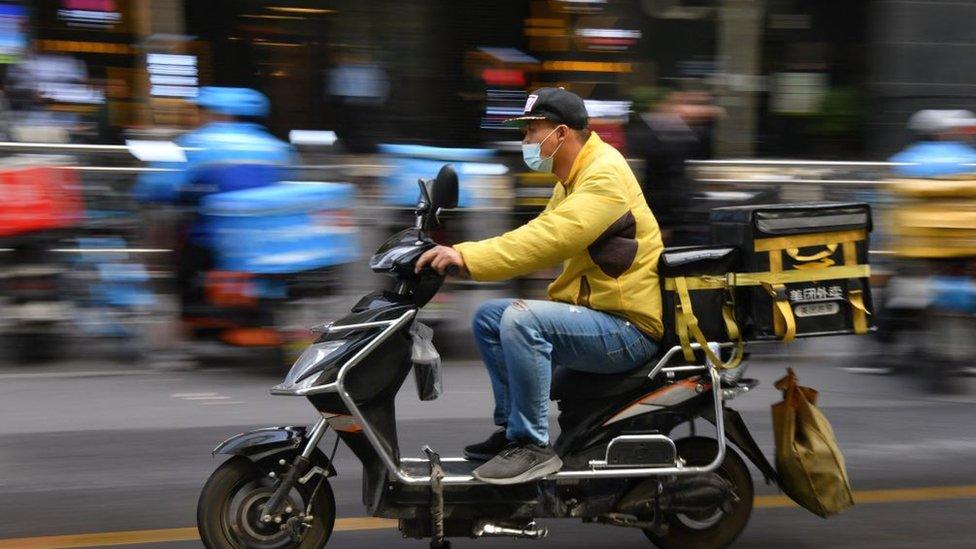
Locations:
(554, 104)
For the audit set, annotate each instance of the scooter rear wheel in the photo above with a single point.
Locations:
(231, 504)
(710, 530)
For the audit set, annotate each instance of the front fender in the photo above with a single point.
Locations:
(266, 446)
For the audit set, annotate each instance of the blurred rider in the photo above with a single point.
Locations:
(941, 147)
(229, 151)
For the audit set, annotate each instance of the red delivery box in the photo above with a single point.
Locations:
(38, 197)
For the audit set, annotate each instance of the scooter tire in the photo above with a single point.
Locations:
(698, 451)
(221, 489)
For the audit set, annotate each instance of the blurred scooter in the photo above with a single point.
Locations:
(34, 311)
(927, 329)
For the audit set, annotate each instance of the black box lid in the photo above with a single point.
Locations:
(798, 218)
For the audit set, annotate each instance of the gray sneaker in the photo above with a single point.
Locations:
(519, 462)
(483, 451)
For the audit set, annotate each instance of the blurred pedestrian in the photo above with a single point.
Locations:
(659, 135)
(698, 110)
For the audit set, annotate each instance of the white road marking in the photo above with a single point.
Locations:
(69, 375)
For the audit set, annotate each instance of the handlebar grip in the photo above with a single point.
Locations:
(453, 270)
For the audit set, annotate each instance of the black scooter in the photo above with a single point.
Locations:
(621, 465)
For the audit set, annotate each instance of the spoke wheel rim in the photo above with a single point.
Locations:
(241, 516)
(700, 521)
(704, 520)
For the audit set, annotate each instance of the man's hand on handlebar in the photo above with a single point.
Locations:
(443, 260)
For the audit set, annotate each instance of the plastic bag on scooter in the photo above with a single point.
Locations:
(809, 462)
(426, 362)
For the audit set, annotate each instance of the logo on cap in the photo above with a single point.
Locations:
(529, 103)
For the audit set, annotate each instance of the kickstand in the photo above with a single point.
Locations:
(659, 527)
(437, 540)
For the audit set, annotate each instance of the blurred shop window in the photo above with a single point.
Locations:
(359, 82)
(798, 92)
(359, 87)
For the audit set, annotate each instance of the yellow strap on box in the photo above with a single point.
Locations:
(699, 282)
(850, 253)
(804, 240)
(859, 312)
(684, 317)
(790, 277)
(731, 328)
(681, 326)
(784, 323)
(718, 282)
(686, 324)
(781, 318)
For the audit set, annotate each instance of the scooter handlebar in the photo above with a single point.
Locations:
(452, 270)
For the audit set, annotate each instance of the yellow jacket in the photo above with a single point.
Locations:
(598, 224)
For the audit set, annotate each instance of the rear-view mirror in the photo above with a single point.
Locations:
(444, 189)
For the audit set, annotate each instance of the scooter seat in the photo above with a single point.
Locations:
(575, 385)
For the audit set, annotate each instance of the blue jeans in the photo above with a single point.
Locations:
(522, 340)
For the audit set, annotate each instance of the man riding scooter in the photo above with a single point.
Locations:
(604, 310)
(230, 151)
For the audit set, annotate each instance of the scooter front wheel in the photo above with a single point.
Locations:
(230, 510)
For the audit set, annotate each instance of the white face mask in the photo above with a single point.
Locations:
(532, 154)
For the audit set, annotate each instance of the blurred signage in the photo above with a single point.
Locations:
(71, 92)
(585, 66)
(82, 46)
(173, 75)
(13, 34)
(501, 105)
(581, 6)
(597, 39)
(503, 77)
(511, 56)
(607, 109)
(57, 78)
(92, 14)
(697, 68)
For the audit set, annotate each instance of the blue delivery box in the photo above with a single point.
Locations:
(283, 228)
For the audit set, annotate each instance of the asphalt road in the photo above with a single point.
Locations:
(100, 448)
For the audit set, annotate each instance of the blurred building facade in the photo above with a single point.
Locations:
(794, 77)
